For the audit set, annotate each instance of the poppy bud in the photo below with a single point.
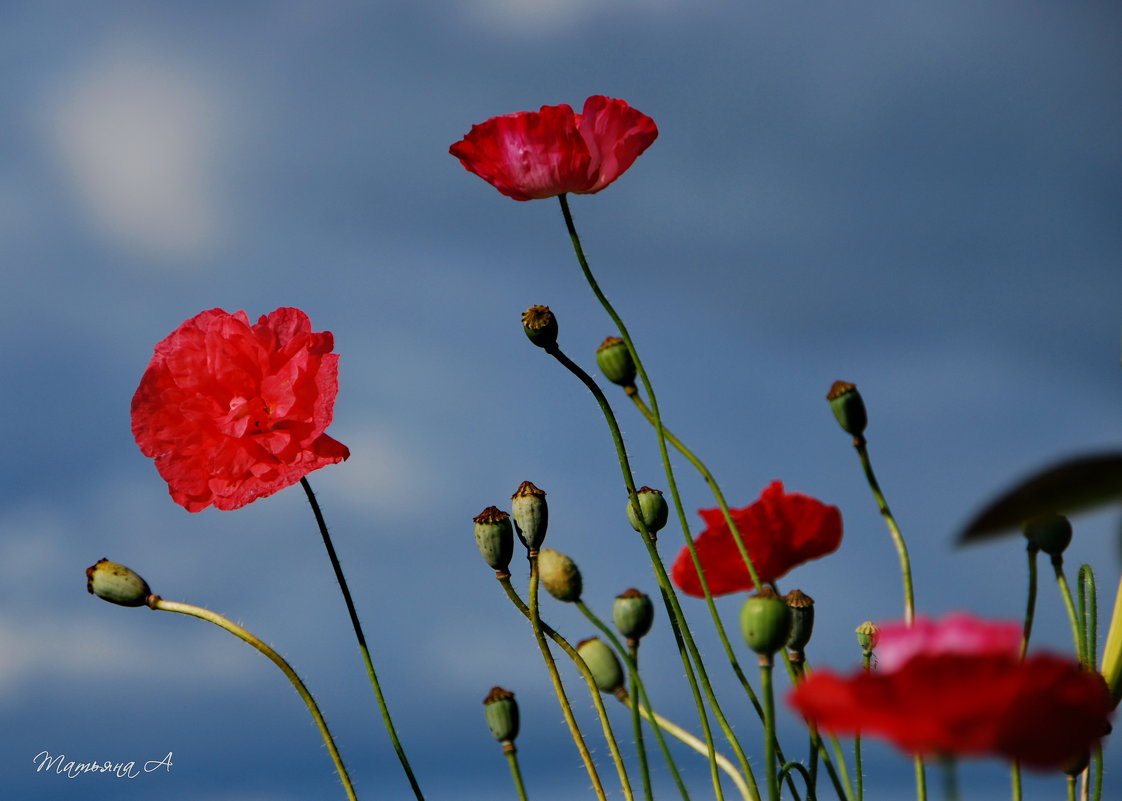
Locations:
(1049, 533)
(602, 664)
(765, 622)
(802, 619)
(848, 407)
(633, 614)
(116, 583)
(494, 537)
(501, 711)
(559, 575)
(615, 362)
(540, 326)
(530, 513)
(654, 509)
(867, 637)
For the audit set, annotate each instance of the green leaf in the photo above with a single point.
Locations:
(1069, 486)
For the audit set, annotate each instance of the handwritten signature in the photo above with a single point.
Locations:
(73, 769)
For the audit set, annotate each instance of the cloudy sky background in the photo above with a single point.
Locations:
(921, 198)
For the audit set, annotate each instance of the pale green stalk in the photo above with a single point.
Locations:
(158, 603)
(515, 772)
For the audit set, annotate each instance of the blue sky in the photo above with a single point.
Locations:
(922, 199)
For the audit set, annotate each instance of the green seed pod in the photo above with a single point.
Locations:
(559, 575)
(494, 537)
(501, 711)
(1049, 533)
(615, 362)
(602, 663)
(116, 583)
(765, 622)
(802, 619)
(633, 614)
(540, 326)
(867, 637)
(654, 509)
(848, 407)
(530, 513)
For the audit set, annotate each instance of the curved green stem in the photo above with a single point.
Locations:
(371, 674)
(697, 745)
(536, 624)
(1069, 605)
(515, 773)
(1112, 652)
(1089, 615)
(158, 603)
(786, 769)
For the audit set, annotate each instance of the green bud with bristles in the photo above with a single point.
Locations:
(117, 584)
(530, 513)
(848, 408)
(559, 575)
(494, 536)
(1050, 533)
(654, 509)
(615, 362)
(501, 711)
(765, 622)
(602, 664)
(633, 614)
(540, 326)
(802, 620)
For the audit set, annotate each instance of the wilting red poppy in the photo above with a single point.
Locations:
(1045, 712)
(780, 531)
(537, 154)
(232, 412)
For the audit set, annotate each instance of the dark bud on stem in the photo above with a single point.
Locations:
(802, 620)
(633, 614)
(615, 362)
(848, 408)
(116, 583)
(494, 536)
(540, 326)
(501, 711)
(1049, 533)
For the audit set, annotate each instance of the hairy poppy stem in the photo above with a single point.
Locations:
(586, 674)
(159, 604)
(630, 656)
(677, 617)
(515, 772)
(361, 639)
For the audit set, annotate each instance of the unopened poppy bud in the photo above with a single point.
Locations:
(116, 583)
(1049, 533)
(530, 513)
(633, 614)
(868, 635)
(501, 711)
(802, 619)
(848, 407)
(654, 509)
(765, 622)
(494, 536)
(602, 664)
(559, 575)
(540, 326)
(615, 362)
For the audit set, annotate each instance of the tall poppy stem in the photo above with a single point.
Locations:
(159, 604)
(515, 772)
(371, 674)
(670, 598)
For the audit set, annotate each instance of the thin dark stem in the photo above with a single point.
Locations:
(373, 676)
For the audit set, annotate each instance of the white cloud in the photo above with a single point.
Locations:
(137, 138)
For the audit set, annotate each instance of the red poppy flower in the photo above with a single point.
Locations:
(780, 531)
(1045, 712)
(537, 154)
(958, 632)
(233, 412)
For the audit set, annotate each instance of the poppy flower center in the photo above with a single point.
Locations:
(247, 416)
